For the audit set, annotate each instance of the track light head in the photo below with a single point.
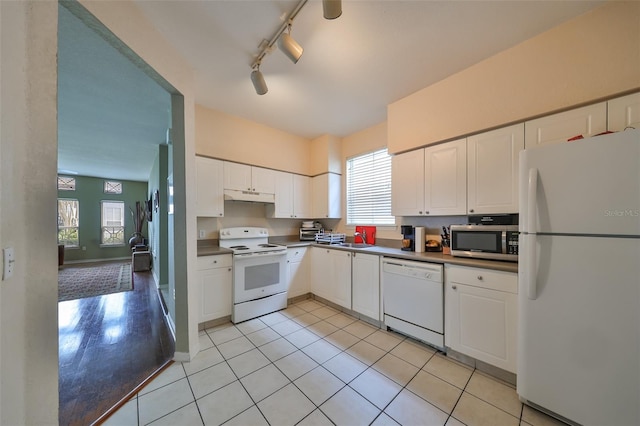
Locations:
(258, 82)
(332, 8)
(290, 47)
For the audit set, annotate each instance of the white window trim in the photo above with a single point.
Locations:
(351, 224)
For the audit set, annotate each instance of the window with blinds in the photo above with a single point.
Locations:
(369, 189)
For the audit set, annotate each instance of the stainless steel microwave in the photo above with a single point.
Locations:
(494, 242)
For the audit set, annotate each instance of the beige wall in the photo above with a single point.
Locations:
(28, 169)
(326, 155)
(228, 137)
(593, 56)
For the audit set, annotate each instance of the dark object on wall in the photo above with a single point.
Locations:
(60, 254)
(149, 209)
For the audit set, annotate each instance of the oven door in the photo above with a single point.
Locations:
(258, 275)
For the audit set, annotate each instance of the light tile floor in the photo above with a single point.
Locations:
(312, 365)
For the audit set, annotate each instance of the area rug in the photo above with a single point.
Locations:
(80, 281)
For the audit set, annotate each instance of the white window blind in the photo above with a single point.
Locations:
(369, 189)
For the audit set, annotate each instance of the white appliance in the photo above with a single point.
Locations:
(579, 279)
(414, 299)
(259, 272)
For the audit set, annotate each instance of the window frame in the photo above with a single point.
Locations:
(384, 220)
(69, 185)
(103, 226)
(69, 227)
(113, 187)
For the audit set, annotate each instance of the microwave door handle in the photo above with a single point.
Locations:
(504, 242)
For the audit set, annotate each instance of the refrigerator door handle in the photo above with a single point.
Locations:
(530, 261)
(532, 194)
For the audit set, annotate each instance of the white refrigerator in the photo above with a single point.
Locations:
(579, 279)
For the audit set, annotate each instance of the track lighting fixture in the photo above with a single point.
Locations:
(258, 81)
(289, 46)
(332, 9)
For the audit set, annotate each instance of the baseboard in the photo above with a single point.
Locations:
(73, 262)
(181, 357)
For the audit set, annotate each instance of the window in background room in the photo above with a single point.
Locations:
(369, 189)
(66, 183)
(112, 187)
(68, 219)
(112, 221)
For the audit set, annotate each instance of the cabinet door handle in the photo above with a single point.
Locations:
(470, 210)
(454, 287)
(420, 212)
(427, 212)
(480, 278)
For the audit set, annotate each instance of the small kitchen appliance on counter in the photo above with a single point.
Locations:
(309, 229)
(408, 238)
(493, 237)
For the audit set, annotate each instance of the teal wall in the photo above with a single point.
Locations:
(89, 192)
(158, 235)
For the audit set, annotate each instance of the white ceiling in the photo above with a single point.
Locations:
(377, 52)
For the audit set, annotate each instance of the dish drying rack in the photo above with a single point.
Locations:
(330, 238)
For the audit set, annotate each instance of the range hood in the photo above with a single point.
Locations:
(254, 197)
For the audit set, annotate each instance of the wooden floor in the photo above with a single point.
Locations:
(108, 346)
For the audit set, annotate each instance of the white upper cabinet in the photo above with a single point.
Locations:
(556, 128)
(407, 183)
(492, 170)
(623, 112)
(292, 196)
(445, 185)
(209, 187)
(248, 178)
(430, 181)
(326, 190)
(301, 196)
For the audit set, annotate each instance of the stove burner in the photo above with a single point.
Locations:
(239, 247)
(266, 245)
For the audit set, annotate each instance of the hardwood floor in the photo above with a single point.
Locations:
(108, 346)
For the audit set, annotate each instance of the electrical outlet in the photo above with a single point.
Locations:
(201, 233)
(8, 262)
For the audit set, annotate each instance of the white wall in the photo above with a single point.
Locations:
(28, 152)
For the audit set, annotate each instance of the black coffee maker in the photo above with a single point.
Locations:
(408, 238)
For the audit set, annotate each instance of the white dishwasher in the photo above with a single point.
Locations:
(413, 300)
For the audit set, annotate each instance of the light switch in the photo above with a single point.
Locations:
(8, 261)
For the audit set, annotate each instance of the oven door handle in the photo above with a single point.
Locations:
(261, 255)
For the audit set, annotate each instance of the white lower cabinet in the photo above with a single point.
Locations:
(331, 275)
(298, 272)
(481, 314)
(365, 284)
(215, 280)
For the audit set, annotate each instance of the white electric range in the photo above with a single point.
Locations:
(259, 272)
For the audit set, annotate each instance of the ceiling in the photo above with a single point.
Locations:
(378, 51)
